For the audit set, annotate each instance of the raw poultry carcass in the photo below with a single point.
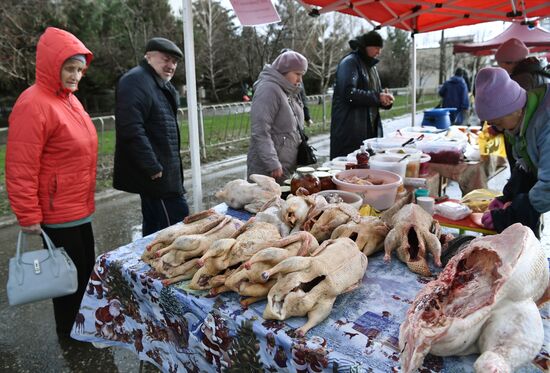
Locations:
(239, 193)
(310, 285)
(323, 220)
(295, 210)
(229, 253)
(247, 280)
(194, 224)
(271, 213)
(184, 248)
(413, 234)
(368, 234)
(483, 302)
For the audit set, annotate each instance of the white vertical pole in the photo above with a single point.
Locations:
(192, 104)
(413, 78)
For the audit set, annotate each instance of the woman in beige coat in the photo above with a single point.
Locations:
(276, 113)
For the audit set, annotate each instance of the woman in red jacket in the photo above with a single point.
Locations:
(51, 160)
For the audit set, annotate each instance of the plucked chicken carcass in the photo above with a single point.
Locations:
(247, 280)
(310, 285)
(368, 234)
(271, 213)
(193, 224)
(323, 220)
(229, 253)
(413, 234)
(239, 193)
(295, 210)
(483, 302)
(174, 258)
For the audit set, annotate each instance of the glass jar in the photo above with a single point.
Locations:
(304, 177)
(326, 180)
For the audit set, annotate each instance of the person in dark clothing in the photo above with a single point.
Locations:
(455, 95)
(357, 96)
(147, 151)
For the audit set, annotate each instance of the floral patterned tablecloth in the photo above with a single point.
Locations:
(178, 329)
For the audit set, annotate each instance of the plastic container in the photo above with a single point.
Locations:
(350, 198)
(441, 151)
(424, 169)
(439, 118)
(380, 197)
(413, 167)
(389, 162)
(380, 144)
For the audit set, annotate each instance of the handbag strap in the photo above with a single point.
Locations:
(300, 131)
(22, 245)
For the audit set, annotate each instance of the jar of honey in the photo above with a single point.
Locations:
(326, 180)
(304, 177)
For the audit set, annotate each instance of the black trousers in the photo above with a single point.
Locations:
(159, 213)
(78, 242)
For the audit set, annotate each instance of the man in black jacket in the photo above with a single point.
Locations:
(147, 152)
(357, 96)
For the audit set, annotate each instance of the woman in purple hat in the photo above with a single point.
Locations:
(524, 117)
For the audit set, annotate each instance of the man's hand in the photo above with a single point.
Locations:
(386, 98)
(309, 122)
(277, 173)
(156, 176)
(32, 229)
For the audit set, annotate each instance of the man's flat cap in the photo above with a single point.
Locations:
(163, 45)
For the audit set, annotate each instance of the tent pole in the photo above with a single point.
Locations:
(192, 104)
(413, 78)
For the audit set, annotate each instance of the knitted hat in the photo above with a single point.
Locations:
(290, 61)
(513, 50)
(497, 95)
(370, 39)
(163, 45)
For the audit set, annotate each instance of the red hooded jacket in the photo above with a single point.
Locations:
(51, 152)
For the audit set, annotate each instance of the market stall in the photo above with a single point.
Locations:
(178, 329)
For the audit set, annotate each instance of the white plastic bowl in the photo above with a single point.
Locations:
(350, 198)
(380, 197)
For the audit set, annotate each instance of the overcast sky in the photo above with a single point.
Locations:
(481, 32)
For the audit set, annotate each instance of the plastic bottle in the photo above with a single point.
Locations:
(362, 158)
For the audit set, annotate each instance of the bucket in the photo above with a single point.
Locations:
(389, 162)
(413, 167)
(424, 168)
(438, 118)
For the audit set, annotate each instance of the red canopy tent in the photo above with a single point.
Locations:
(537, 39)
(418, 16)
(432, 15)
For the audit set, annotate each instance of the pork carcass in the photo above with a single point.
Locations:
(247, 280)
(310, 285)
(483, 302)
(239, 193)
(368, 234)
(323, 220)
(413, 234)
(229, 253)
(198, 223)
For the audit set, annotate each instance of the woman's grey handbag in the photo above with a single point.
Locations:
(40, 274)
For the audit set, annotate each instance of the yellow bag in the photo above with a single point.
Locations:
(491, 144)
(478, 200)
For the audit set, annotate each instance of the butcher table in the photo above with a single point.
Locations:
(178, 329)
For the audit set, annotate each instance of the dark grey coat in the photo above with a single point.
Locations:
(147, 135)
(276, 112)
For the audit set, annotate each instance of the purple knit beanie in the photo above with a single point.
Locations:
(513, 50)
(497, 95)
(290, 61)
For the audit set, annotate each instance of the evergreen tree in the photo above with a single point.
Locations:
(245, 351)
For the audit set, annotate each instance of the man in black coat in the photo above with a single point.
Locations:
(147, 152)
(357, 96)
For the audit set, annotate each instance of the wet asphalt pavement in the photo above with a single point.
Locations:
(28, 341)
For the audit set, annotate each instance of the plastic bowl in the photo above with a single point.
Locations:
(350, 198)
(380, 197)
(413, 166)
(424, 169)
